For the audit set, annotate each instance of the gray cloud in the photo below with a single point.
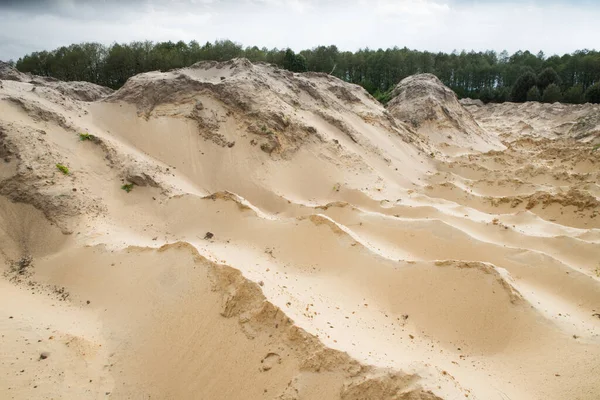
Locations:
(435, 25)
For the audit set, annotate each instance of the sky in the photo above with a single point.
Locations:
(552, 26)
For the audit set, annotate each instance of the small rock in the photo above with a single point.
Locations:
(44, 355)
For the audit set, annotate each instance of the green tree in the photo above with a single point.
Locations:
(300, 64)
(592, 95)
(533, 94)
(552, 94)
(294, 62)
(501, 95)
(289, 60)
(486, 95)
(574, 95)
(547, 77)
(119, 66)
(522, 86)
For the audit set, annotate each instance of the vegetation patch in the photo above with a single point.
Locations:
(383, 97)
(63, 169)
(86, 136)
(128, 187)
(266, 130)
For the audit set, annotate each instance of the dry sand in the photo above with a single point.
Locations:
(287, 237)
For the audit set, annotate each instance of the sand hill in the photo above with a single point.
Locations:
(423, 102)
(237, 231)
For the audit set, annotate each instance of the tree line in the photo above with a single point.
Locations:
(489, 76)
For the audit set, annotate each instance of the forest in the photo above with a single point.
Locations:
(489, 76)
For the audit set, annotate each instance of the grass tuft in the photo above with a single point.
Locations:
(63, 169)
(85, 136)
(128, 187)
(266, 130)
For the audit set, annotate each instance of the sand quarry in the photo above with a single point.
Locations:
(286, 237)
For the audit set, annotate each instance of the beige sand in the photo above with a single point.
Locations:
(287, 237)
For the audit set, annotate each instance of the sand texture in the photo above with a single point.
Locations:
(237, 231)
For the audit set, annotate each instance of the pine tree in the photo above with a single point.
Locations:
(300, 64)
(522, 86)
(533, 94)
(552, 94)
(592, 95)
(486, 95)
(294, 62)
(574, 95)
(546, 78)
(289, 59)
(501, 95)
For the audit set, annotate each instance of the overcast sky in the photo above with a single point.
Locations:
(553, 26)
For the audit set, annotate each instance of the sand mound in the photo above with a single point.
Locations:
(233, 230)
(423, 102)
(276, 105)
(9, 73)
(82, 91)
(257, 114)
(472, 103)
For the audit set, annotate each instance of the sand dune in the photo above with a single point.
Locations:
(284, 236)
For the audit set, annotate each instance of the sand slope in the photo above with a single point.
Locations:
(423, 102)
(287, 237)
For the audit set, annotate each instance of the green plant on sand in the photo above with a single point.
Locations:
(127, 187)
(85, 136)
(63, 169)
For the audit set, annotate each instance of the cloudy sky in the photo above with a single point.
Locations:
(553, 26)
